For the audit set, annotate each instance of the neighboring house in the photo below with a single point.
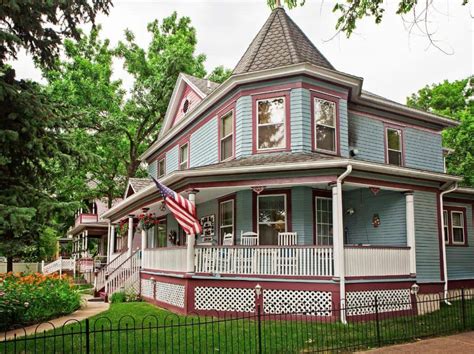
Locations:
(345, 192)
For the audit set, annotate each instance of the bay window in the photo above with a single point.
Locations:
(183, 156)
(394, 146)
(272, 217)
(227, 136)
(325, 124)
(271, 121)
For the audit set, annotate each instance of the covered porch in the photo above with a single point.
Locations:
(302, 231)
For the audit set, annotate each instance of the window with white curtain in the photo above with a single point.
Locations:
(271, 118)
(325, 121)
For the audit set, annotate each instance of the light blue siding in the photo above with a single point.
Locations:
(367, 135)
(426, 237)
(172, 159)
(391, 208)
(243, 127)
(302, 214)
(203, 145)
(205, 209)
(344, 128)
(152, 169)
(300, 120)
(423, 150)
(243, 209)
(461, 259)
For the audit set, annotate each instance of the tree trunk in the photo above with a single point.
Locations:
(132, 168)
(9, 264)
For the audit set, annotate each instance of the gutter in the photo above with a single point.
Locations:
(340, 236)
(445, 261)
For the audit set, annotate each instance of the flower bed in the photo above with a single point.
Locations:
(31, 298)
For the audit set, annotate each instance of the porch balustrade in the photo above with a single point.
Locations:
(170, 259)
(85, 219)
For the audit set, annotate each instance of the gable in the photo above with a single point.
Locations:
(187, 101)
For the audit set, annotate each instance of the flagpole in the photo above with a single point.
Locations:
(191, 239)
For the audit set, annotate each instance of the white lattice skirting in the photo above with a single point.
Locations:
(224, 299)
(172, 294)
(362, 302)
(316, 303)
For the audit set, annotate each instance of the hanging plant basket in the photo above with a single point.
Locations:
(147, 221)
(123, 228)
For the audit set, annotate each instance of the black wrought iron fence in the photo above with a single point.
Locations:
(377, 324)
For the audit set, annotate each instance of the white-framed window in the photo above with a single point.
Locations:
(156, 236)
(446, 226)
(457, 227)
(325, 124)
(226, 218)
(271, 217)
(161, 169)
(183, 156)
(271, 123)
(324, 227)
(394, 146)
(227, 135)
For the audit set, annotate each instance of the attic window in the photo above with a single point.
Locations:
(185, 106)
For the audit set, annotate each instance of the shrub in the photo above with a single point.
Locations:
(118, 297)
(32, 298)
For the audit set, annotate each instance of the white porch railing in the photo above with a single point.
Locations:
(171, 259)
(107, 269)
(85, 219)
(286, 260)
(377, 261)
(58, 265)
(126, 276)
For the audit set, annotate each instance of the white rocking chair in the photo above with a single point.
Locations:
(287, 238)
(287, 262)
(249, 238)
(228, 240)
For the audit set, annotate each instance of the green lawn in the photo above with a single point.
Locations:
(161, 331)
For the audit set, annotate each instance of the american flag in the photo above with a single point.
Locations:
(183, 210)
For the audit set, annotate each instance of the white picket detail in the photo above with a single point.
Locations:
(288, 261)
(126, 276)
(165, 259)
(59, 265)
(107, 269)
(377, 261)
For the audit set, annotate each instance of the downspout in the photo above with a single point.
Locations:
(340, 230)
(443, 242)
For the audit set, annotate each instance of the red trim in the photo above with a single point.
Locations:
(375, 182)
(402, 142)
(222, 200)
(335, 100)
(462, 210)
(286, 192)
(286, 95)
(223, 113)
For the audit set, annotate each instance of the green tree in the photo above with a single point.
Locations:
(351, 11)
(455, 100)
(219, 74)
(31, 128)
(155, 71)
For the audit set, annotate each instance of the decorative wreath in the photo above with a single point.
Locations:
(173, 238)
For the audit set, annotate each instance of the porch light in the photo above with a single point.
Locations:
(350, 211)
(258, 290)
(414, 289)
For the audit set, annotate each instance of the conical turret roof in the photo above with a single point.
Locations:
(280, 42)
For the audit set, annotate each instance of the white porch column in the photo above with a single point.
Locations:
(335, 227)
(410, 220)
(144, 238)
(86, 252)
(112, 242)
(130, 235)
(191, 239)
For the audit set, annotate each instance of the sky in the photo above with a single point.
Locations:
(392, 61)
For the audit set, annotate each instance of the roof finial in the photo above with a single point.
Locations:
(277, 3)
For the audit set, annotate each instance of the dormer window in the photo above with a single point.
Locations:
(183, 156)
(271, 120)
(394, 152)
(325, 117)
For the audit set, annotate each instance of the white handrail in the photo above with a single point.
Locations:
(58, 265)
(107, 269)
(125, 276)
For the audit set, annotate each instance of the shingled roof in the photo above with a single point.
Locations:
(280, 42)
(204, 85)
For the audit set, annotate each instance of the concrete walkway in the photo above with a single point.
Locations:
(89, 309)
(458, 343)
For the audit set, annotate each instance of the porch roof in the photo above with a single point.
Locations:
(94, 229)
(271, 163)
